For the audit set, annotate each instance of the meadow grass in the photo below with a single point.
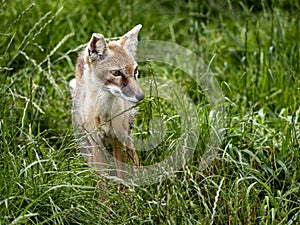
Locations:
(253, 50)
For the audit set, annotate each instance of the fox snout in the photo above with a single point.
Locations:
(140, 96)
(132, 93)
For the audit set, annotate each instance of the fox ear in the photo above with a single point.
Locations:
(97, 46)
(130, 40)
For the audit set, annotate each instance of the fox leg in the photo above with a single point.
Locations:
(133, 156)
(131, 153)
(98, 161)
(120, 160)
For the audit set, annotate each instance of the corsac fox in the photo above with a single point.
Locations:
(103, 93)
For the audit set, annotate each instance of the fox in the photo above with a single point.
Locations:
(105, 91)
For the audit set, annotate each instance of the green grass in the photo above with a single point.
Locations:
(254, 52)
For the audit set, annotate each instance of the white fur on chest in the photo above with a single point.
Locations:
(104, 115)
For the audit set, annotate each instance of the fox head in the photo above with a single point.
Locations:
(112, 66)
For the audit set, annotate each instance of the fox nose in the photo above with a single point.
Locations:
(140, 96)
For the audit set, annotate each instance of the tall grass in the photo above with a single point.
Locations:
(254, 52)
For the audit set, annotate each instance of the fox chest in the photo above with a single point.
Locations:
(111, 130)
(108, 122)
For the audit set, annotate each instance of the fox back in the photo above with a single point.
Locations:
(104, 91)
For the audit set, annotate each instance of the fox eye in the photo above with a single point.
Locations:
(116, 73)
(135, 70)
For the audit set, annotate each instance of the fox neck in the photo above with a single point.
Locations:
(104, 104)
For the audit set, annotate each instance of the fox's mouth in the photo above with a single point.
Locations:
(131, 101)
(117, 93)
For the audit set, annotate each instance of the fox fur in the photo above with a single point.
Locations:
(104, 91)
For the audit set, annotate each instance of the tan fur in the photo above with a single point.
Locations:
(105, 88)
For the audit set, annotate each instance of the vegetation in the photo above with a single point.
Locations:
(252, 48)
